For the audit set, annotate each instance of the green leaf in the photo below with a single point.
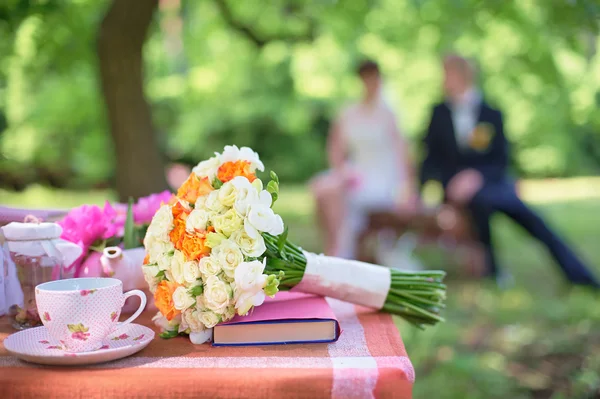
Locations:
(161, 275)
(98, 245)
(273, 189)
(130, 239)
(273, 186)
(274, 177)
(196, 290)
(170, 333)
(216, 183)
(113, 242)
(282, 239)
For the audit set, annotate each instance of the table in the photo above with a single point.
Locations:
(368, 361)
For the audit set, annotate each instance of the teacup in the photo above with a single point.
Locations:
(81, 312)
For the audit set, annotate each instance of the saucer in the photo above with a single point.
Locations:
(36, 346)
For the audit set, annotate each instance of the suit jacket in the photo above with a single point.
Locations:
(445, 158)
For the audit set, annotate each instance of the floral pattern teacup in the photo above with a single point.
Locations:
(81, 312)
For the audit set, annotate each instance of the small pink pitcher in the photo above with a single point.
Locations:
(126, 265)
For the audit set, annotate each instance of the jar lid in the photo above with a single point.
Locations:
(31, 231)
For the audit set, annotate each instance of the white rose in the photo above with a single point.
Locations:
(252, 247)
(209, 266)
(181, 299)
(192, 319)
(232, 153)
(217, 294)
(207, 168)
(201, 202)
(164, 324)
(247, 300)
(229, 256)
(201, 303)
(150, 272)
(209, 319)
(191, 271)
(246, 194)
(227, 194)
(227, 223)
(163, 260)
(197, 220)
(160, 248)
(212, 202)
(261, 218)
(176, 269)
(161, 224)
(249, 276)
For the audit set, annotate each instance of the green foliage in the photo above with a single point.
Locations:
(170, 333)
(196, 291)
(272, 78)
(130, 237)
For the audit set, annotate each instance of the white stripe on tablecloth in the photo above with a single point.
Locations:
(235, 362)
(356, 382)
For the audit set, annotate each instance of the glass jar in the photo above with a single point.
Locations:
(39, 256)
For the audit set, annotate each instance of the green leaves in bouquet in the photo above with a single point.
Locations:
(216, 183)
(273, 186)
(170, 333)
(161, 276)
(131, 238)
(281, 240)
(196, 291)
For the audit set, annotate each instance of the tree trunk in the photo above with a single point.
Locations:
(140, 167)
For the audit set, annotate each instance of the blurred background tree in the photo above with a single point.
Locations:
(271, 75)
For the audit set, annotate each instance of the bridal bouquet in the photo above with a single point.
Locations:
(220, 249)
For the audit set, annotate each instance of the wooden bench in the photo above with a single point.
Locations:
(445, 226)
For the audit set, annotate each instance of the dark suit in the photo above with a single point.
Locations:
(445, 159)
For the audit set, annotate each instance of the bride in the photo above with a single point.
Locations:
(370, 167)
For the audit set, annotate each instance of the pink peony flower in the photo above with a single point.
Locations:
(146, 207)
(87, 224)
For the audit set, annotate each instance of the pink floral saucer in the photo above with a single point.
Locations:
(36, 346)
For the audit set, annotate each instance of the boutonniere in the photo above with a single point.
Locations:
(481, 136)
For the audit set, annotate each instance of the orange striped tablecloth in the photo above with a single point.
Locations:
(368, 361)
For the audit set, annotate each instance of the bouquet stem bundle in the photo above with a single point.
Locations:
(417, 297)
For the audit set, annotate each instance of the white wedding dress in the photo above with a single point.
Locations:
(373, 158)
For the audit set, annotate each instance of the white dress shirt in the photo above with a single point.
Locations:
(464, 116)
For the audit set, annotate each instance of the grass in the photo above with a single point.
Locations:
(540, 339)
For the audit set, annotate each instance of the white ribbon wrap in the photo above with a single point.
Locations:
(348, 280)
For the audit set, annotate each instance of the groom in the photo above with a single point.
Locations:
(468, 152)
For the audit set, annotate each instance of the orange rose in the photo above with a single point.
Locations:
(229, 170)
(177, 234)
(194, 246)
(163, 299)
(146, 259)
(193, 188)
